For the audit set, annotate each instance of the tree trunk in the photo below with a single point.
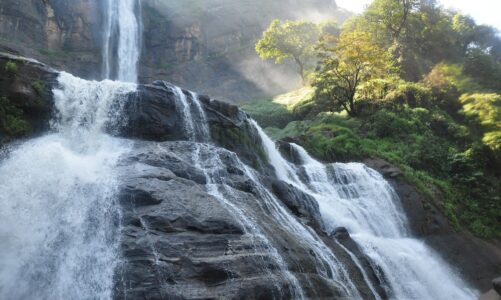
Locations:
(352, 112)
(301, 70)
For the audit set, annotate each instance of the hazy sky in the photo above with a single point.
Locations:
(484, 11)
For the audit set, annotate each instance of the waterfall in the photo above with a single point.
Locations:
(59, 217)
(358, 198)
(122, 40)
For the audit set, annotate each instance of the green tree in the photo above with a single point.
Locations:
(391, 15)
(347, 62)
(294, 40)
(472, 35)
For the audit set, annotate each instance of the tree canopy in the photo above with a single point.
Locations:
(294, 40)
(347, 62)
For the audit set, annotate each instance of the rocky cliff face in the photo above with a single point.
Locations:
(62, 33)
(25, 96)
(209, 46)
(204, 45)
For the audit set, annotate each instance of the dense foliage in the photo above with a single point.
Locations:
(417, 85)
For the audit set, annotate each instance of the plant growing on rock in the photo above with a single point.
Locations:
(11, 121)
(11, 68)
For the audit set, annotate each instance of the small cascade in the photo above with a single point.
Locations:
(202, 126)
(195, 122)
(184, 109)
(122, 40)
(213, 167)
(327, 263)
(59, 222)
(358, 198)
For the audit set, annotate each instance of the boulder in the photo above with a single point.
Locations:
(496, 283)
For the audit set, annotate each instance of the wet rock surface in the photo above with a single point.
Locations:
(181, 242)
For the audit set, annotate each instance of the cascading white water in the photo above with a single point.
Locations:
(59, 218)
(195, 122)
(123, 28)
(212, 167)
(202, 126)
(359, 199)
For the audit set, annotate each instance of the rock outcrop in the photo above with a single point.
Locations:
(64, 34)
(26, 96)
(188, 234)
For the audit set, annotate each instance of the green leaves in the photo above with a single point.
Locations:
(294, 40)
(11, 121)
(347, 62)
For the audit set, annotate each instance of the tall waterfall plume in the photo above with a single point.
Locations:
(122, 40)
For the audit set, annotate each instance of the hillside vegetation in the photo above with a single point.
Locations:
(414, 84)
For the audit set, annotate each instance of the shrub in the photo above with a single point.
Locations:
(483, 108)
(387, 123)
(38, 87)
(411, 94)
(11, 121)
(11, 68)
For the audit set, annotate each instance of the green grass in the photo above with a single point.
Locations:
(280, 110)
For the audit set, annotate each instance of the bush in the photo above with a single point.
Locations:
(334, 143)
(386, 123)
(38, 87)
(453, 75)
(11, 68)
(410, 94)
(483, 108)
(268, 113)
(11, 121)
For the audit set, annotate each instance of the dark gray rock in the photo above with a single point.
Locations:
(181, 242)
(496, 284)
(301, 204)
(373, 272)
(289, 152)
(340, 233)
(153, 114)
